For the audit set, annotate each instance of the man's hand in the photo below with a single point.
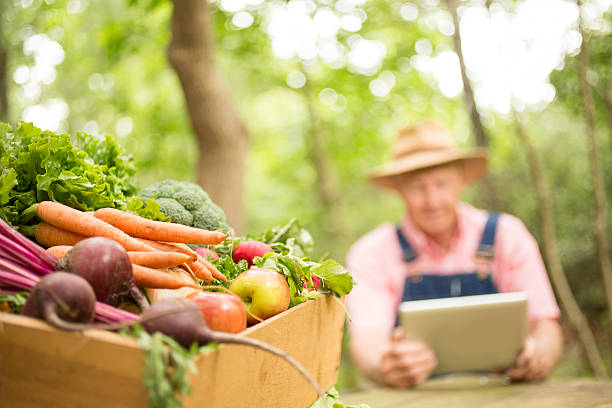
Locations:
(540, 353)
(407, 362)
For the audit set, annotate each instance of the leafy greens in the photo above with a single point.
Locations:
(92, 173)
(292, 246)
(13, 302)
(167, 367)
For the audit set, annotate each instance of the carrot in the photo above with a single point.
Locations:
(197, 269)
(159, 260)
(162, 279)
(140, 227)
(182, 248)
(69, 219)
(168, 247)
(212, 269)
(203, 261)
(49, 236)
(155, 260)
(59, 251)
(200, 271)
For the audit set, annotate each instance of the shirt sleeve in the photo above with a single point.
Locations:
(519, 267)
(371, 303)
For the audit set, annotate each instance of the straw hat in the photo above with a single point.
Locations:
(428, 144)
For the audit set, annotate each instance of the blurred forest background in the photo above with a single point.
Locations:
(319, 89)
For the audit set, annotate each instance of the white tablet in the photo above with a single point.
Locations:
(469, 333)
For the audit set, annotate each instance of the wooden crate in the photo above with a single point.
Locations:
(44, 367)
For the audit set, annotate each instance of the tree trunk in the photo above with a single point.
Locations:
(553, 260)
(221, 136)
(326, 181)
(608, 101)
(600, 222)
(478, 129)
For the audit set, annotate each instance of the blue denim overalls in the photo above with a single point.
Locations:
(429, 286)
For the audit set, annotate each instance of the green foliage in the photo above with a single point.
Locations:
(39, 165)
(332, 398)
(292, 235)
(15, 301)
(291, 244)
(226, 265)
(116, 68)
(186, 203)
(167, 367)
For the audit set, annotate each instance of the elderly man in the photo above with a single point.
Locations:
(442, 247)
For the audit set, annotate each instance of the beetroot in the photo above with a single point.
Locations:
(208, 254)
(182, 320)
(107, 267)
(60, 299)
(248, 250)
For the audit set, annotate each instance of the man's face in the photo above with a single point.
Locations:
(431, 196)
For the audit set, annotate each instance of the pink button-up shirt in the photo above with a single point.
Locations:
(377, 265)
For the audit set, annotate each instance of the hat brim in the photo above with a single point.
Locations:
(474, 164)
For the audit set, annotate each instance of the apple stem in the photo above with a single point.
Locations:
(226, 338)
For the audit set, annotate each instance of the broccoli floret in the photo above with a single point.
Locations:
(177, 213)
(210, 217)
(186, 203)
(190, 200)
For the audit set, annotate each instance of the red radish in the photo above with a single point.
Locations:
(206, 253)
(316, 282)
(107, 267)
(250, 249)
(61, 298)
(223, 312)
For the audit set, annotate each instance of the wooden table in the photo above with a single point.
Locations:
(490, 392)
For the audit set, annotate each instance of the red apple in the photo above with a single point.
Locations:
(250, 249)
(222, 311)
(206, 253)
(265, 293)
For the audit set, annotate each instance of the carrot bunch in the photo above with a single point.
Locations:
(158, 250)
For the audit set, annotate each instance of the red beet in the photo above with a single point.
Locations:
(248, 250)
(61, 298)
(107, 267)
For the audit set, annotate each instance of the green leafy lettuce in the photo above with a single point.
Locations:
(91, 173)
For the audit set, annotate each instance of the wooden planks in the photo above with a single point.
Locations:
(41, 366)
(490, 392)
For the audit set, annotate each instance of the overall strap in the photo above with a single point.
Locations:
(485, 247)
(408, 253)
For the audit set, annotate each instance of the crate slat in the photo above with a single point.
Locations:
(42, 366)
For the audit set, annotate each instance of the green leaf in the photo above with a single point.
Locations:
(332, 397)
(335, 277)
(147, 208)
(15, 301)
(41, 165)
(297, 239)
(167, 367)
